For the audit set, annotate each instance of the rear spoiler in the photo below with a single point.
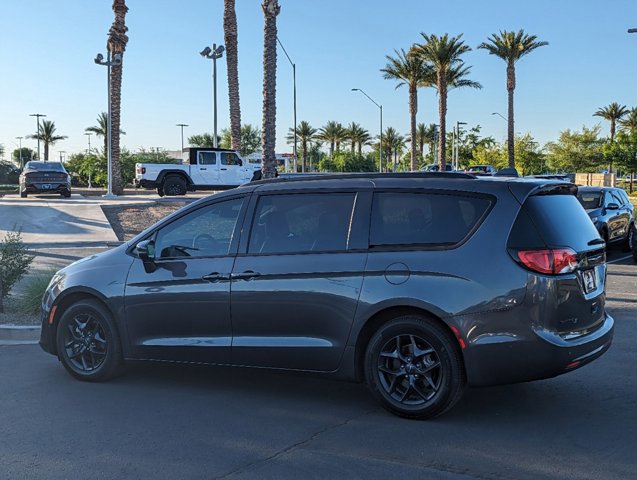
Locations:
(549, 188)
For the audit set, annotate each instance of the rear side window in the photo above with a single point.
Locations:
(559, 221)
(301, 223)
(207, 158)
(590, 200)
(424, 219)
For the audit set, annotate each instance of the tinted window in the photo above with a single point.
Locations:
(590, 200)
(45, 166)
(424, 218)
(561, 221)
(616, 198)
(230, 159)
(207, 158)
(203, 233)
(299, 223)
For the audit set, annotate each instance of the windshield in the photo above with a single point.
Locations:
(590, 200)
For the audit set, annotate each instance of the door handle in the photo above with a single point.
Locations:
(203, 168)
(247, 275)
(223, 169)
(215, 277)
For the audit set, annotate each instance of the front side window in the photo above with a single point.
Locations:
(204, 232)
(207, 158)
(301, 223)
(424, 219)
(230, 159)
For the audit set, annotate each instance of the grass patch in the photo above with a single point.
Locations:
(31, 297)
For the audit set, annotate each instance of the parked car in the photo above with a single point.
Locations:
(419, 284)
(435, 167)
(611, 212)
(45, 177)
(481, 170)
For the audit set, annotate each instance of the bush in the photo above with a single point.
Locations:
(14, 263)
(34, 291)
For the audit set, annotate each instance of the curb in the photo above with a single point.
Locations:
(19, 334)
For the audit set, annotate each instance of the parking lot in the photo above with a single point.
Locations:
(161, 421)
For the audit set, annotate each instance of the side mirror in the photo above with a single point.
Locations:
(612, 206)
(146, 252)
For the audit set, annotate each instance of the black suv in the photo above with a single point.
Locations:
(417, 284)
(612, 213)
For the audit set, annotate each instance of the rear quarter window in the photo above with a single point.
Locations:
(424, 219)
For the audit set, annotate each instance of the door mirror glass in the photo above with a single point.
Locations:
(612, 206)
(146, 250)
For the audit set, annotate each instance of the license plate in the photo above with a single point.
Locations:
(588, 278)
(46, 186)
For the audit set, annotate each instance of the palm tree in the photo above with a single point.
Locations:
(271, 9)
(393, 143)
(101, 129)
(331, 133)
(117, 40)
(444, 55)
(425, 135)
(202, 140)
(510, 47)
(630, 122)
(411, 70)
(47, 136)
(361, 137)
(307, 134)
(352, 133)
(230, 35)
(612, 113)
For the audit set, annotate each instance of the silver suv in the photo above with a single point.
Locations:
(418, 284)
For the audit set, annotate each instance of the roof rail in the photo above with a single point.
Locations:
(371, 176)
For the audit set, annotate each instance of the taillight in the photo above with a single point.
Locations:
(549, 261)
(143, 170)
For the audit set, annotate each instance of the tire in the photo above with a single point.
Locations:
(634, 242)
(424, 385)
(87, 342)
(23, 194)
(627, 246)
(174, 185)
(160, 192)
(67, 195)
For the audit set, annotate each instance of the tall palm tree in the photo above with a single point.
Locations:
(425, 135)
(271, 9)
(510, 47)
(331, 133)
(411, 70)
(612, 113)
(307, 135)
(393, 144)
(352, 134)
(230, 35)
(47, 135)
(203, 140)
(361, 137)
(117, 40)
(101, 129)
(444, 54)
(630, 122)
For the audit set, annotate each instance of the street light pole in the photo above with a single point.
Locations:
(38, 115)
(182, 125)
(380, 149)
(61, 152)
(20, 138)
(214, 54)
(88, 153)
(294, 93)
(458, 143)
(116, 60)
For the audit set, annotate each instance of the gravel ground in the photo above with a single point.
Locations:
(128, 221)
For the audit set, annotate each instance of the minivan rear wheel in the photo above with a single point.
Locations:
(87, 342)
(414, 367)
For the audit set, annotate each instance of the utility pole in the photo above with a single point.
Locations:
(37, 135)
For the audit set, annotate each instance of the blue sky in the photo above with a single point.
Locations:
(47, 50)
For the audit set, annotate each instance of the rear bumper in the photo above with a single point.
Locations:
(143, 183)
(53, 187)
(511, 359)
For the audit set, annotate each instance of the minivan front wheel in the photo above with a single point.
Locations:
(87, 342)
(414, 368)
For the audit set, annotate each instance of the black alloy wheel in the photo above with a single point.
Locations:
(174, 186)
(414, 367)
(630, 238)
(87, 342)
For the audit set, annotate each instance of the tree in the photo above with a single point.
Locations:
(20, 157)
(14, 263)
(361, 137)
(393, 144)
(576, 151)
(625, 151)
(444, 54)
(47, 136)
(230, 34)
(510, 47)
(333, 133)
(307, 135)
(202, 140)
(271, 9)
(630, 122)
(101, 129)
(411, 70)
(117, 40)
(250, 139)
(356, 135)
(425, 135)
(612, 113)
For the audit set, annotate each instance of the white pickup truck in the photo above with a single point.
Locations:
(205, 169)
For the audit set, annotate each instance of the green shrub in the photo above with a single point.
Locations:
(14, 262)
(34, 291)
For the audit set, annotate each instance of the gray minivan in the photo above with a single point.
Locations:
(418, 284)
